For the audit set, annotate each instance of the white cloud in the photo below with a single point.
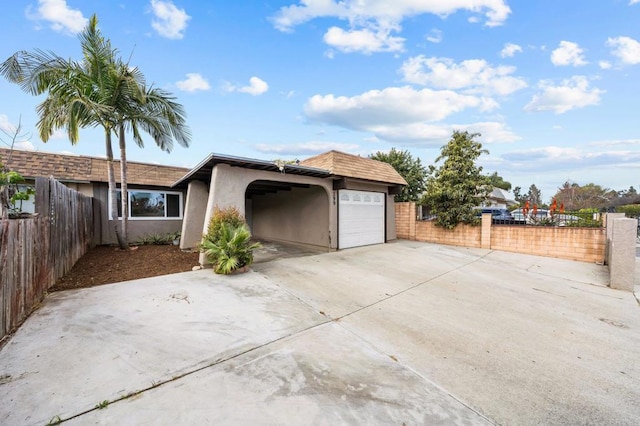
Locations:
(193, 83)
(59, 134)
(626, 49)
(256, 87)
(495, 11)
(24, 146)
(473, 76)
(371, 23)
(306, 148)
(8, 132)
(605, 65)
(366, 41)
(434, 135)
(404, 114)
(633, 2)
(434, 36)
(572, 93)
(566, 158)
(393, 105)
(510, 49)
(568, 53)
(169, 22)
(61, 17)
(6, 126)
(616, 142)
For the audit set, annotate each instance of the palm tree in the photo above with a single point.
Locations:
(101, 91)
(157, 114)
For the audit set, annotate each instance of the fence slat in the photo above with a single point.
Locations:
(35, 252)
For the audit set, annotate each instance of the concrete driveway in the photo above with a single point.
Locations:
(402, 333)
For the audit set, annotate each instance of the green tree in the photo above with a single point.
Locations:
(517, 195)
(103, 91)
(534, 196)
(411, 169)
(458, 185)
(498, 181)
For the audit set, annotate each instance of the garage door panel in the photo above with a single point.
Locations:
(361, 218)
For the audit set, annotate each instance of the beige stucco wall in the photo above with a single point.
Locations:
(194, 212)
(299, 216)
(229, 185)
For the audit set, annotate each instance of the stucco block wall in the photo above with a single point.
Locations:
(299, 216)
(405, 220)
(463, 235)
(581, 244)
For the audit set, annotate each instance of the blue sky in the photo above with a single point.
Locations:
(552, 86)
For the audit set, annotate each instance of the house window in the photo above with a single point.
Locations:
(152, 205)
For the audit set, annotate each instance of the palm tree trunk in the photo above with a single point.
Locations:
(113, 192)
(123, 182)
(4, 201)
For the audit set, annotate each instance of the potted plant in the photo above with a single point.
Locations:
(176, 238)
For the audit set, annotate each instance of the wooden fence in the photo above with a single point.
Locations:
(36, 251)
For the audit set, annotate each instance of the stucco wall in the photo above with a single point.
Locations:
(582, 244)
(299, 216)
(195, 207)
(229, 185)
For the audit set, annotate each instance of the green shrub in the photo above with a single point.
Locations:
(229, 215)
(630, 210)
(159, 239)
(232, 249)
(227, 243)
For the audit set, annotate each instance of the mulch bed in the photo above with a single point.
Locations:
(106, 264)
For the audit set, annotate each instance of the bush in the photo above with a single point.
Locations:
(229, 215)
(630, 210)
(227, 243)
(159, 239)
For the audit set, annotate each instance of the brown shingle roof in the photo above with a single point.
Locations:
(354, 166)
(31, 164)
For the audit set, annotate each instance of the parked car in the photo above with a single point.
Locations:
(543, 216)
(497, 214)
(530, 219)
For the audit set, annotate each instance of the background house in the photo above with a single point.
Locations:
(499, 198)
(154, 206)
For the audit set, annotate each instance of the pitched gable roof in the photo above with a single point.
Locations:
(31, 164)
(354, 166)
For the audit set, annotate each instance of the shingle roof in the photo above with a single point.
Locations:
(354, 166)
(31, 164)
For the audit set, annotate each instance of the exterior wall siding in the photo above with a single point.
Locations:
(581, 244)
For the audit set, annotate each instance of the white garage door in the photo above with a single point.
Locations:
(360, 218)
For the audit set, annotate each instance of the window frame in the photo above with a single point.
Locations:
(152, 191)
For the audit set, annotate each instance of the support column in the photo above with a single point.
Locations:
(195, 209)
(485, 236)
(622, 254)
(608, 224)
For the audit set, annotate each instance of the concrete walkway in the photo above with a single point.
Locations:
(399, 333)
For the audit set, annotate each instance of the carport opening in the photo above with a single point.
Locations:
(288, 212)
